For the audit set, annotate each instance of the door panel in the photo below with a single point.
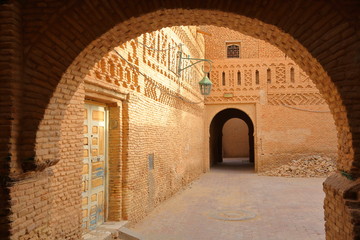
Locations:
(94, 166)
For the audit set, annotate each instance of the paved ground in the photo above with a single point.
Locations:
(261, 208)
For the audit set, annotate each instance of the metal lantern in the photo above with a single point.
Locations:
(205, 86)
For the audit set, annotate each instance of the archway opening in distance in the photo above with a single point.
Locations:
(224, 129)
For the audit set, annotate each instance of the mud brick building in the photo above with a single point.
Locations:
(59, 56)
(262, 105)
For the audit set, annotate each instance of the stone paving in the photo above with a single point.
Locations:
(260, 207)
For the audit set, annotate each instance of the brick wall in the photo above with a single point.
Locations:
(31, 208)
(341, 209)
(156, 120)
(147, 116)
(177, 154)
(235, 139)
(287, 134)
(292, 119)
(217, 39)
(10, 75)
(65, 191)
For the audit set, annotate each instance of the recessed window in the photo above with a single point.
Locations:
(292, 75)
(223, 79)
(268, 74)
(238, 78)
(233, 51)
(257, 77)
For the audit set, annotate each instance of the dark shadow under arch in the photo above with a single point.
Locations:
(216, 127)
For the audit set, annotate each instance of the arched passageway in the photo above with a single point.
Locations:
(49, 41)
(216, 134)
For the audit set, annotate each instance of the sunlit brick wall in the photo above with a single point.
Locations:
(292, 118)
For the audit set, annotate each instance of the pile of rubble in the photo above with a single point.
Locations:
(310, 166)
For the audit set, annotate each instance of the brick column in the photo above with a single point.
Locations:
(10, 77)
(342, 214)
(115, 165)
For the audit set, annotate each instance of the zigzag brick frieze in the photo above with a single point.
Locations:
(296, 99)
(235, 99)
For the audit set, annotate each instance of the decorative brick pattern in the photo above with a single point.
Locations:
(280, 74)
(128, 169)
(296, 99)
(280, 89)
(291, 118)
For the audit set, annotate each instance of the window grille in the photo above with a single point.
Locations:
(233, 51)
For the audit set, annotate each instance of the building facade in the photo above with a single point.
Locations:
(140, 124)
(289, 118)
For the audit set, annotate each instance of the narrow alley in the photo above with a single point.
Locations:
(231, 203)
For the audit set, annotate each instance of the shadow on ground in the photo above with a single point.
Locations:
(234, 164)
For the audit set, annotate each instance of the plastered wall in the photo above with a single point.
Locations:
(235, 139)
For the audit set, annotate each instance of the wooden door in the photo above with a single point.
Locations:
(94, 166)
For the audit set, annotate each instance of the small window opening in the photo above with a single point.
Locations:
(292, 75)
(268, 74)
(257, 78)
(238, 78)
(223, 79)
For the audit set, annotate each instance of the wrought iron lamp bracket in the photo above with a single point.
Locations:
(205, 83)
(198, 60)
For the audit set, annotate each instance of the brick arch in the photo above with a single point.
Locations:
(71, 43)
(216, 132)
